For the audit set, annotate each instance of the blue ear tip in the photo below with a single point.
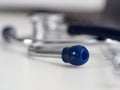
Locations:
(7, 30)
(76, 55)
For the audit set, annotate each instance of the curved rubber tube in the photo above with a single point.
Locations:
(76, 29)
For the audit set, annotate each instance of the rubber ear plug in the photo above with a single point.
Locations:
(7, 32)
(75, 55)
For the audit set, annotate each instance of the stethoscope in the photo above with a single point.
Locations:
(75, 55)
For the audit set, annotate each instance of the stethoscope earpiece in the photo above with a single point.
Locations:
(75, 55)
(8, 33)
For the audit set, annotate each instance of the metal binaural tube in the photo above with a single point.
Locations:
(43, 51)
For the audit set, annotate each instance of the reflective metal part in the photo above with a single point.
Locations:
(47, 26)
(43, 51)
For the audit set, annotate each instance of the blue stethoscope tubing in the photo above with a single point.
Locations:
(105, 32)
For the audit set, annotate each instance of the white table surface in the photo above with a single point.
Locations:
(19, 72)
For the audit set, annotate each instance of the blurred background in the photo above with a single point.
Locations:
(92, 12)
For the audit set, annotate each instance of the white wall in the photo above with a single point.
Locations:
(66, 5)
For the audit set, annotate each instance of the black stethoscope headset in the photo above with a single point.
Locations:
(75, 55)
